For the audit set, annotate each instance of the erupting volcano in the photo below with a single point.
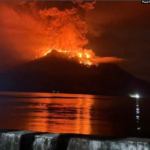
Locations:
(36, 29)
(64, 60)
(67, 34)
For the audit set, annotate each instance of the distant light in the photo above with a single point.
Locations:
(137, 96)
(137, 112)
(138, 128)
(137, 117)
(134, 95)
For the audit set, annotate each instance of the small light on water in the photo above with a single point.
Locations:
(134, 95)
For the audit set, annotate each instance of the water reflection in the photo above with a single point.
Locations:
(63, 115)
(67, 113)
(138, 114)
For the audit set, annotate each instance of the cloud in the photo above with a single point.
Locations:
(29, 28)
(108, 60)
(21, 30)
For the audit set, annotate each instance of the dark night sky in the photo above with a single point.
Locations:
(124, 29)
(118, 29)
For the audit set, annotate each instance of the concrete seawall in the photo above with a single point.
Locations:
(26, 140)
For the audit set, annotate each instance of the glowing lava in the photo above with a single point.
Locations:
(82, 57)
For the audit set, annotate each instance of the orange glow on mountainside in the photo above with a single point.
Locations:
(82, 57)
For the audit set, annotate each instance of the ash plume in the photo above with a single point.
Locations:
(32, 29)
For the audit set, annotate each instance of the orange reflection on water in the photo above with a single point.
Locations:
(67, 113)
(60, 115)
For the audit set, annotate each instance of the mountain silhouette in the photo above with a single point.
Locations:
(57, 72)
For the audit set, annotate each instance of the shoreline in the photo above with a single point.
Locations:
(30, 140)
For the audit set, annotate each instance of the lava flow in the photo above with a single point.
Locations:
(82, 57)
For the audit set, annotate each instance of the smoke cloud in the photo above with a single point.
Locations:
(29, 30)
(21, 30)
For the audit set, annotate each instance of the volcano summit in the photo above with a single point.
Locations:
(57, 72)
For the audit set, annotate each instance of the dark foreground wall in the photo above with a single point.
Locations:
(26, 140)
